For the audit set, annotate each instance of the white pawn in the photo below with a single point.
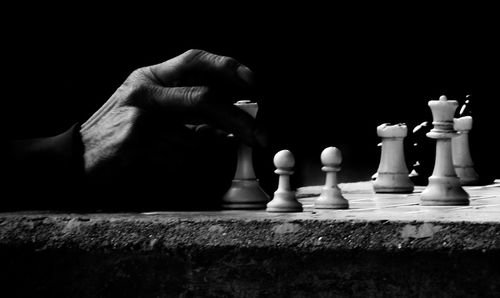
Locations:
(392, 173)
(444, 188)
(284, 199)
(462, 160)
(331, 195)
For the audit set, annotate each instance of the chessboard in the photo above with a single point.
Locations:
(365, 204)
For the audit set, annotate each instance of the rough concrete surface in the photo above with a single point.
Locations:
(226, 254)
(384, 245)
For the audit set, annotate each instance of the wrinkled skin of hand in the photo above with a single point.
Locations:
(160, 141)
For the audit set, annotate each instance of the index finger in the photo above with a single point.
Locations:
(195, 66)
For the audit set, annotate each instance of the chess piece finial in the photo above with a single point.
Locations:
(462, 160)
(245, 191)
(444, 187)
(331, 195)
(284, 199)
(466, 109)
(392, 173)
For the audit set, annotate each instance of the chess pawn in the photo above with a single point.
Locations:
(392, 173)
(284, 199)
(331, 195)
(245, 191)
(462, 160)
(444, 188)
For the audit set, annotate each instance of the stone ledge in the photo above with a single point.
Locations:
(228, 254)
(115, 232)
(384, 246)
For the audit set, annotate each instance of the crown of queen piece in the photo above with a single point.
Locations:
(443, 111)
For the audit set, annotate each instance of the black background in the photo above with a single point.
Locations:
(327, 75)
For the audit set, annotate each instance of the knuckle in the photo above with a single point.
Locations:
(196, 96)
(226, 62)
(193, 52)
(137, 79)
(137, 75)
(191, 55)
(138, 94)
(217, 61)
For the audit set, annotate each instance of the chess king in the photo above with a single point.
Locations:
(444, 186)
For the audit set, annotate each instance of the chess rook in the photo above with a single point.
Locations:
(444, 188)
(245, 191)
(392, 173)
(462, 160)
(284, 199)
(331, 195)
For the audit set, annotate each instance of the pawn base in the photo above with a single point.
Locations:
(284, 201)
(246, 195)
(331, 198)
(467, 175)
(393, 183)
(444, 191)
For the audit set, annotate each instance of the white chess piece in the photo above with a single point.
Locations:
(462, 160)
(245, 191)
(284, 199)
(444, 188)
(392, 173)
(375, 175)
(331, 195)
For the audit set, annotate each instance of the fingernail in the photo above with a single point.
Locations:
(245, 74)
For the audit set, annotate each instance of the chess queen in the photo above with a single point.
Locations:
(444, 186)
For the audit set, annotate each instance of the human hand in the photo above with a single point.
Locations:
(138, 142)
